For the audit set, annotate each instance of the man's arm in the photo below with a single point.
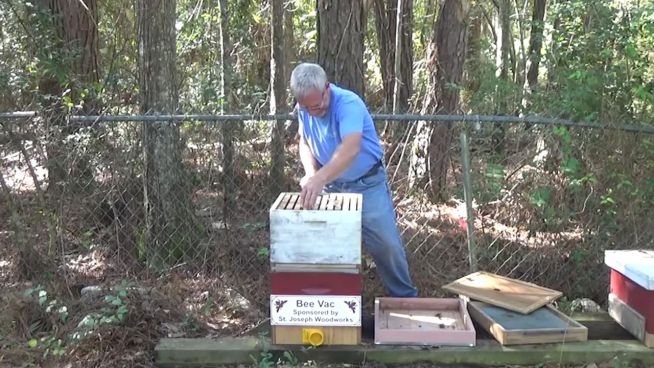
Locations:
(306, 157)
(342, 158)
(340, 161)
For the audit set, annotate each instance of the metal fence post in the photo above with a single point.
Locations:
(467, 194)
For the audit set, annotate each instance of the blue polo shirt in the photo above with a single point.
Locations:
(346, 114)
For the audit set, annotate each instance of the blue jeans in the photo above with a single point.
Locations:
(381, 237)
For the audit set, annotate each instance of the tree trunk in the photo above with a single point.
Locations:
(340, 42)
(502, 64)
(430, 157)
(385, 24)
(535, 46)
(229, 127)
(504, 40)
(536, 43)
(553, 60)
(76, 32)
(397, 62)
(289, 38)
(78, 21)
(520, 72)
(473, 54)
(289, 62)
(278, 96)
(168, 215)
(74, 35)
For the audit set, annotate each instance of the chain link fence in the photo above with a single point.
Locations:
(551, 199)
(94, 199)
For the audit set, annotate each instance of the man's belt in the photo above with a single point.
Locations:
(373, 170)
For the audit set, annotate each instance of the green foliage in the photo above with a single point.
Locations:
(50, 306)
(263, 252)
(52, 343)
(266, 359)
(114, 312)
(491, 183)
(541, 197)
(600, 62)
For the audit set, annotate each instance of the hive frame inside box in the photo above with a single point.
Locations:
(573, 332)
(423, 321)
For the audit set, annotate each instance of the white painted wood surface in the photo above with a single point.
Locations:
(307, 267)
(637, 265)
(627, 317)
(330, 234)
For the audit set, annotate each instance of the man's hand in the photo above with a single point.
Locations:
(304, 180)
(312, 186)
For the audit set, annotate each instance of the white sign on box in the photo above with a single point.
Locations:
(315, 310)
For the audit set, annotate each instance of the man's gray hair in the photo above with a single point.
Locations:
(307, 77)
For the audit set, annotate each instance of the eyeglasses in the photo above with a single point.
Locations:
(316, 106)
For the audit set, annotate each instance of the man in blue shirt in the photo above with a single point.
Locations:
(340, 152)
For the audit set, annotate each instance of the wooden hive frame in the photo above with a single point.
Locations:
(325, 202)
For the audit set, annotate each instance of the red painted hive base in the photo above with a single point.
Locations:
(636, 296)
(315, 283)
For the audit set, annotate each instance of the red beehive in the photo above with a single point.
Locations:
(631, 301)
(634, 295)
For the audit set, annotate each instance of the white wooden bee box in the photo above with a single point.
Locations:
(330, 234)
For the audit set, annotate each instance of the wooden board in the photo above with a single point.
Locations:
(243, 351)
(635, 296)
(292, 335)
(315, 267)
(327, 235)
(630, 319)
(545, 325)
(638, 265)
(515, 295)
(423, 321)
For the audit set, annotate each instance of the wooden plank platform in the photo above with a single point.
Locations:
(245, 350)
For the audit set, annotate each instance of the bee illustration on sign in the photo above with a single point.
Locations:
(279, 304)
(352, 304)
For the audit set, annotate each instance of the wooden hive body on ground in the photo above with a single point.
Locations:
(315, 258)
(631, 298)
(423, 321)
(542, 326)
